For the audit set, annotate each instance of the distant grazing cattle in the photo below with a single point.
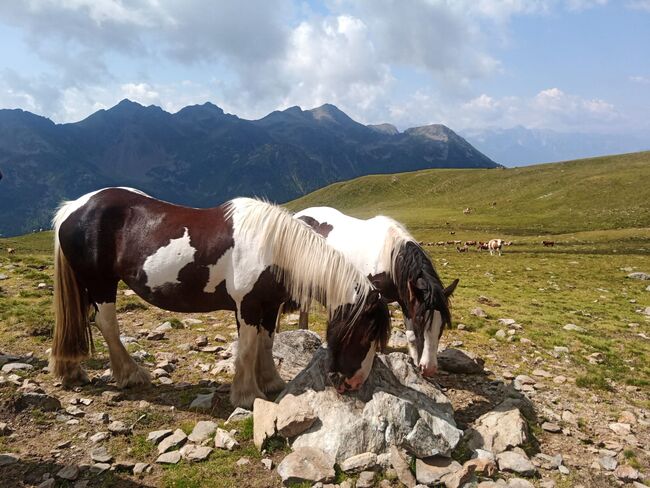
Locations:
(450, 242)
(452, 232)
(470, 243)
(548, 243)
(495, 245)
(467, 211)
(462, 249)
(440, 243)
(457, 242)
(11, 250)
(482, 246)
(507, 243)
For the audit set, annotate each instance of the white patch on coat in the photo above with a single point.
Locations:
(429, 357)
(219, 272)
(361, 375)
(163, 266)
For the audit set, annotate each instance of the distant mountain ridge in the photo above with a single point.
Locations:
(202, 156)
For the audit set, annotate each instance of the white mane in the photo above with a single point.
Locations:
(396, 237)
(304, 263)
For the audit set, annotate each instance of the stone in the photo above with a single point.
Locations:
(48, 483)
(164, 327)
(173, 441)
(398, 340)
(507, 322)
(43, 402)
(294, 416)
(75, 411)
(559, 380)
(626, 473)
(551, 427)
(12, 367)
(99, 468)
(608, 462)
(223, 440)
(401, 465)
(294, 350)
(306, 464)
(243, 461)
(202, 431)
(573, 328)
(155, 336)
(140, 468)
(158, 435)
(394, 406)
(484, 466)
(366, 479)
(479, 312)
(267, 463)
(194, 453)
(500, 334)
(4, 429)
(238, 415)
(201, 341)
(70, 472)
(118, 427)
(7, 458)
(519, 483)
(264, 418)
(516, 463)
(431, 470)
(457, 361)
(563, 469)
(360, 462)
(458, 478)
(627, 417)
(121, 465)
(639, 276)
(499, 429)
(98, 437)
(171, 457)
(202, 402)
(542, 373)
(165, 380)
(620, 428)
(100, 455)
(159, 373)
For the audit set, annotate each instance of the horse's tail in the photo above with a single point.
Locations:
(72, 335)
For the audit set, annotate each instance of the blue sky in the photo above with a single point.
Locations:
(568, 65)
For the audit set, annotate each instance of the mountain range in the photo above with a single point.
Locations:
(201, 156)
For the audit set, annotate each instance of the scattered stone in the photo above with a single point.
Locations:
(75, 411)
(459, 478)
(484, 466)
(43, 402)
(430, 471)
(360, 462)
(574, 328)
(158, 435)
(11, 367)
(118, 427)
(551, 427)
(4, 429)
(498, 430)
(563, 470)
(194, 453)
(165, 380)
(7, 458)
(398, 340)
(608, 462)
(201, 341)
(457, 361)
(294, 416)
(620, 428)
(238, 415)
(559, 380)
(202, 431)
(112, 397)
(243, 461)
(100, 455)
(164, 327)
(267, 463)
(127, 466)
(366, 480)
(519, 483)
(479, 312)
(500, 334)
(202, 402)
(626, 417)
(223, 440)
(639, 276)
(70, 472)
(542, 373)
(306, 464)
(172, 457)
(155, 336)
(220, 338)
(48, 483)
(175, 440)
(140, 468)
(401, 465)
(264, 418)
(99, 468)
(626, 473)
(595, 358)
(159, 373)
(516, 463)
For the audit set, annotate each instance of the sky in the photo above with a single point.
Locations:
(566, 65)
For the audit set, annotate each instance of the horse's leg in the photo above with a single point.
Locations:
(303, 321)
(268, 378)
(126, 372)
(244, 388)
(411, 341)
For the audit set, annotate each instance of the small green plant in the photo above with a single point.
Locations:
(593, 381)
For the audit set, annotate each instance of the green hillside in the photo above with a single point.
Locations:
(610, 192)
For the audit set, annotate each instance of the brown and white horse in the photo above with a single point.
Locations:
(495, 245)
(383, 250)
(245, 255)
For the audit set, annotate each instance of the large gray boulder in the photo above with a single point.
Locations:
(396, 406)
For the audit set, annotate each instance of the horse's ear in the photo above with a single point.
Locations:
(450, 289)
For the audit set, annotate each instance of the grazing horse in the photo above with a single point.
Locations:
(462, 249)
(246, 256)
(548, 243)
(495, 245)
(384, 251)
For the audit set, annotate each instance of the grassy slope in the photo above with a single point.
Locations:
(600, 193)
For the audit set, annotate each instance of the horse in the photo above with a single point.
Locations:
(548, 243)
(470, 243)
(462, 249)
(383, 250)
(246, 255)
(495, 245)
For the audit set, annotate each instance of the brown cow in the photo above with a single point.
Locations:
(548, 243)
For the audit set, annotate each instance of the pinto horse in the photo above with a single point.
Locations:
(384, 251)
(246, 256)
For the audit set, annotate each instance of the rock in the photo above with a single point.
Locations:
(155, 336)
(99, 468)
(519, 483)
(563, 469)
(360, 462)
(158, 435)
(48, 483)
(164, 327)
(172, 457)
(223, 440)
(243, 461)
(559, 380)
(4, 429)
(70, 472)
(626, 417)
(551, 427)
(194, 453)
(165, 380)
(516, 463)
(460, 477)
(12, 367)
(98, 437)
(294, 416)
(175, 440)
(75, 411)
(431, 470)
(100, 455)
(201, 341)
(202, 402)
(294, 350)
(43, 402)
(264, 419)
(401, 466)
(366, 480)
(267, 463)
(542, 373)
(140, 468)
(573, 328)
(398, 340)
(306, 464)
(395, 406)
(238, 415)
(479, 312)
(620, 428)
(457, 361)
(500, 334)
(7, 458)
(159, 373)
(118, 427)
(639, 276)
(127, 466)
(608, 462)
(626, 473)
(484, 466)
(498, 430)
(202, 430)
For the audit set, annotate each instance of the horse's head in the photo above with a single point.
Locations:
(353, 336)
(428, 307)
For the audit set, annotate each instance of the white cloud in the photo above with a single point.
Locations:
(639, 5)
(639, 79)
